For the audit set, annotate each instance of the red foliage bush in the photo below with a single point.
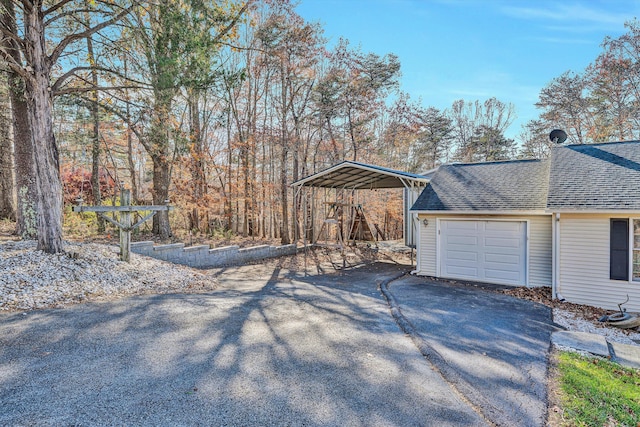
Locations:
(76, 182)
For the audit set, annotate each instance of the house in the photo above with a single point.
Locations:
(571, 222)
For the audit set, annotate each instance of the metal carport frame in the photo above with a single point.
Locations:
(350, 175)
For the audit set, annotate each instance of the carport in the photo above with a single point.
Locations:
(350, 176)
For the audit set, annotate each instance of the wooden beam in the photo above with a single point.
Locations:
(124, 224)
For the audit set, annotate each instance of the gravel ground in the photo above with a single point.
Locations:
(571, 322)
(577, 317)
(31, 279)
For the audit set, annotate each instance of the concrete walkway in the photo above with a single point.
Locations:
(624, 354)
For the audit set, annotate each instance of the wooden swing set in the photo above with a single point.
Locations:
(359, 229)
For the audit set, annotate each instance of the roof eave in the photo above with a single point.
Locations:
(593, 211)
(482, 212)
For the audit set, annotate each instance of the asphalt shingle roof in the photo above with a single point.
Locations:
(511, 185)
(575, 177)
(595, 176)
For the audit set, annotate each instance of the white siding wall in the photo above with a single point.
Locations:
(427, 246)
(540, 256)
(539, 245)
(584, 264)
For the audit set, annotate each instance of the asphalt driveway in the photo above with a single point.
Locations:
(490, 347)
(273, 347)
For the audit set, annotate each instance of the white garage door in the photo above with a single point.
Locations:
(487, 251)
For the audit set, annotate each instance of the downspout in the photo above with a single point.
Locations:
(555, 265)
(416, 236)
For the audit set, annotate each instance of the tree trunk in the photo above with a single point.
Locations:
(161, 181)
(45, 151)
(159, 141)
(26, 191)
(131, 164)
(130, 161)
(199, 188)
(95, 140)
(7, 209)
(284, 229)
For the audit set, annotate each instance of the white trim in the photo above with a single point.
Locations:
(527, 239)
(625, 213)
(438, 227)
(531, 213)
(629, 247)
(418, 237)
(527, 232)
(631, 235)
(555, 255)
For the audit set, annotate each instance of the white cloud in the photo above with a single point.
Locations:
(571, 15)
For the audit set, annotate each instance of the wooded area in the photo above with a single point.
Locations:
(218, 106)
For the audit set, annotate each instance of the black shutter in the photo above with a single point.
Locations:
(619, 253)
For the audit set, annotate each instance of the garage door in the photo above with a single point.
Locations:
(487, 251)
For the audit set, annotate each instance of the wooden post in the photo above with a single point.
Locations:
(125, 230)
(124, 224)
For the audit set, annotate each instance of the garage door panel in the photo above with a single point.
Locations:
(463, 225)
(502, 259)
(484, 250)
(501, 242)
(460, 271)
(503, 226)
(462, 240)
(462, 255)
(501, 275)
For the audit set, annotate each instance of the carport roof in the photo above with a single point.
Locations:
(355, 175)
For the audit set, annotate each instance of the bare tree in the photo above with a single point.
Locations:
(7, 209)
(26, 214)
(534, 140)
(565, 104)
(35, 64)
(477, 123)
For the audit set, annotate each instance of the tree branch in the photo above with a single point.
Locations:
(6, 31)
(233, 22)
(84, 34)
(13, 65)
(93, 88)
(58, 83)
(55, 7)
(26, 4)
(11, 44)
(73, 13)
(240, 48)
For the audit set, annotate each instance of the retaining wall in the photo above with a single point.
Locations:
(203, 257)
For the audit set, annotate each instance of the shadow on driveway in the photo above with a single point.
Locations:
(491, 347)
(270, 347)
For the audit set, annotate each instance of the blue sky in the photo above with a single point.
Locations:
(465, 49)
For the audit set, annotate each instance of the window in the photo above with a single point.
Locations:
(635, 273)
(624, 249)
(619, 250)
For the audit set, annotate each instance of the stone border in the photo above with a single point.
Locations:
(201, 256)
